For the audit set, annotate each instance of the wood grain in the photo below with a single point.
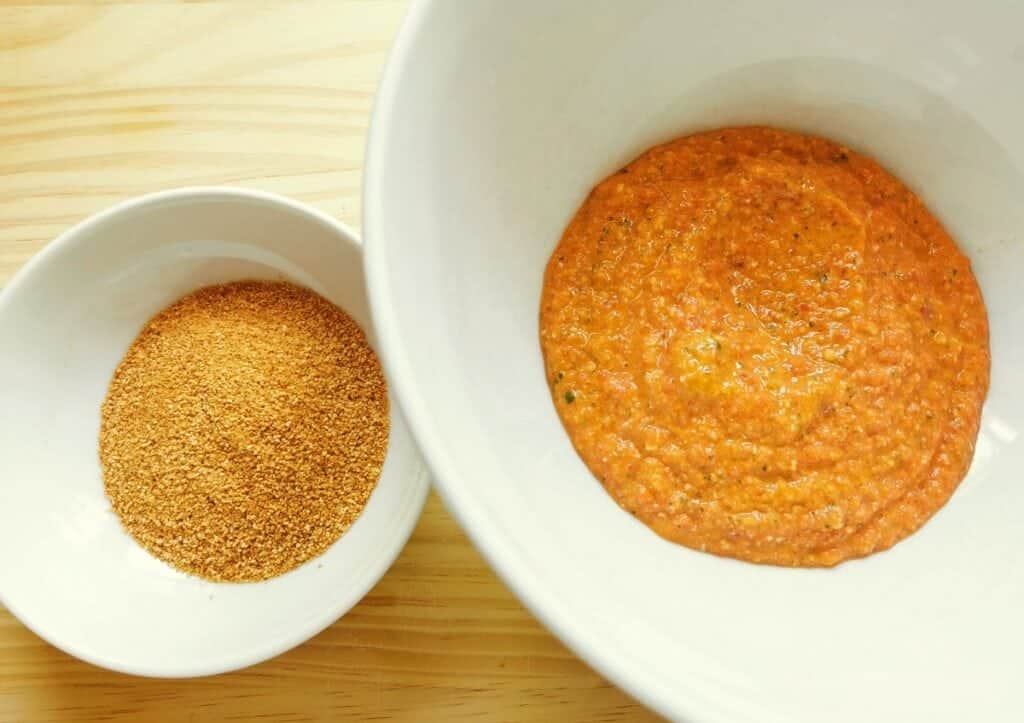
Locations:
(100, 101)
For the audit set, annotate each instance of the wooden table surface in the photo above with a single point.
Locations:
(105, 99)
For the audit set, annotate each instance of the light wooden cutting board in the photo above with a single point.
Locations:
(102, 100)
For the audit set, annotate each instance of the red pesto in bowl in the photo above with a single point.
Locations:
(764, 346)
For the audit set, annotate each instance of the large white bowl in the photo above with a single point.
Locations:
(493, 122)
(68, 569)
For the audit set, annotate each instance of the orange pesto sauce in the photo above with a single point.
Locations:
(765, 347)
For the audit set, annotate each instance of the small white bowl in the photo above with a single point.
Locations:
(492, 123)
(68, 570)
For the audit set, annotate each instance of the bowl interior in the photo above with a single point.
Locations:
(67, 567)
(463, 207)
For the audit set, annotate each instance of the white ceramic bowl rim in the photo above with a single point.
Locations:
(502, 557)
